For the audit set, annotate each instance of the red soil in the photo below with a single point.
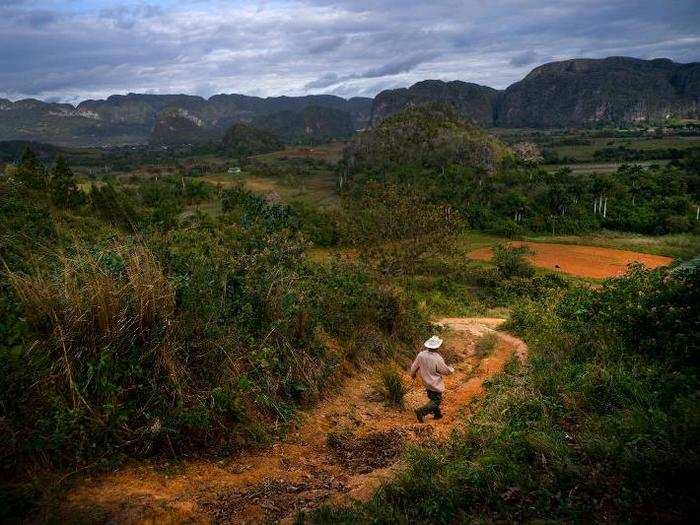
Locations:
(581, 261)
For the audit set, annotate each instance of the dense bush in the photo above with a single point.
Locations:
(510, 261)
(397, 229)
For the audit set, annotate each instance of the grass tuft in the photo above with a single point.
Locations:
(485, 345)
(391, 387)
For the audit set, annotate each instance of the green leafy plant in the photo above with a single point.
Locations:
(510, 261)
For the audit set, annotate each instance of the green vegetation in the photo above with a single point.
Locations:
(511, 262)
(430, 136)
(601, 423)
(312, 125)
(64, 192)
(167, 309)
(500, 194)
(242, 140)
(587, 148)
(130, 328)
(391, 387)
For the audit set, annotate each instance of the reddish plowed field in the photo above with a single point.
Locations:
(581, 261)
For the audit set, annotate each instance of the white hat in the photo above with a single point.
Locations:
(433, 343)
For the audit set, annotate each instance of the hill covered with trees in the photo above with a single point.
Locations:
(242, 140)
(448, 160)
(312, 125)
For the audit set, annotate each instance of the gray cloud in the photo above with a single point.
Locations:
(524, 59)
(394, 68)
(77, 49)
(326, 44)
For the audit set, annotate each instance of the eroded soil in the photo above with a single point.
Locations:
(344, 448)
(581, 261)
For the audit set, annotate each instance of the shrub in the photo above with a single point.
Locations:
(391, 387)
(249, 210)
(510, 261)
(214, 332)
(485, 345)
(114, 206)
(398, 229)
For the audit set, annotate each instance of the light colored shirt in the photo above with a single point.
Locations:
(432, 367)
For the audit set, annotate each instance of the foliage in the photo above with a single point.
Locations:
(30, 171)
(391, 387)
(601, 424)
(312, 125)
(243, 140)
(25, 224)
(250, 210)
(397, 229)
(114, 206)
(510, 261)
(511, 197)
(174, 338)
(64, 191)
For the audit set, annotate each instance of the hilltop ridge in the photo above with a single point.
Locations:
(576, 92)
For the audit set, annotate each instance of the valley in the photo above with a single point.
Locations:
(212, 320)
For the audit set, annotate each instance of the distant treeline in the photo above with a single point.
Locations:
(620, 154)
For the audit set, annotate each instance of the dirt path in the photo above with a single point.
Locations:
(581, 261)
(343, 449)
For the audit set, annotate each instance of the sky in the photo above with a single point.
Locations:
(73, 50)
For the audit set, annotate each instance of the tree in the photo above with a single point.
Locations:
(398, 229)
(64, 191)
(30, 171)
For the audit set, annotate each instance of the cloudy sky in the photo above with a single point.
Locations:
(71, 50)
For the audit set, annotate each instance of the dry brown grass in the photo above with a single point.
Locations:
(87, 304)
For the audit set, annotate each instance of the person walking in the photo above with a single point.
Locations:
(432, 367)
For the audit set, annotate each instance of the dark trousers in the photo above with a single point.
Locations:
(433, 406)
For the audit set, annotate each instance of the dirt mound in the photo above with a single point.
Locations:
(581, 261)
(343, 449)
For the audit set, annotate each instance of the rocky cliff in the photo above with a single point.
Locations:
(611, 90)
(577, 92)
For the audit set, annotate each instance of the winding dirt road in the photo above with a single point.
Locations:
(344, 448)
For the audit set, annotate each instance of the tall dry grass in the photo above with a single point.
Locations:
(87, 306)
(86, 301)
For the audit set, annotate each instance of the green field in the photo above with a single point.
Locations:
(584, 152)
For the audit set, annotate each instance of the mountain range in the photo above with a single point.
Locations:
(577, 92)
